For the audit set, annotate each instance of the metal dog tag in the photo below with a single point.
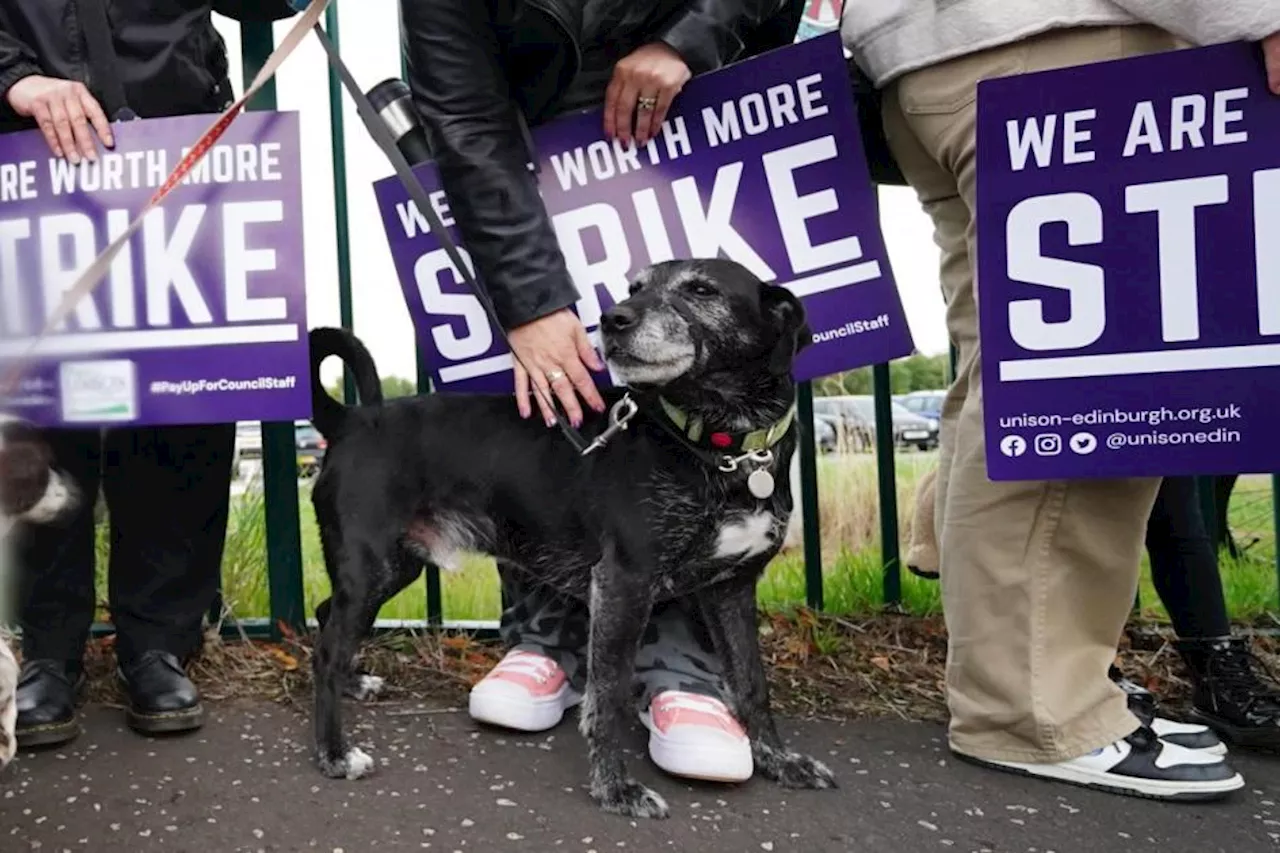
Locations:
(760, 483)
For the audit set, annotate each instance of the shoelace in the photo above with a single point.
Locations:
(693, 702)
(525, 663)
(1235, 669)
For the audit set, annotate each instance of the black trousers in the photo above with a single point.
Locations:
(167, 494)
(1184, 562)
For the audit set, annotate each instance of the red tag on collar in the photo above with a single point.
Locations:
(721, 439)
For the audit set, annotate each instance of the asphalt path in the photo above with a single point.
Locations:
(246, 783)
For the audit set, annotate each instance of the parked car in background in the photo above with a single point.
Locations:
(826, 433)
(248, 440)
(908, 430)
(854, 432)
(926, 404)
(311, 446)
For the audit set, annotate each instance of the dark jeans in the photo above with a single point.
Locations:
(1184, 563)
(167, 493)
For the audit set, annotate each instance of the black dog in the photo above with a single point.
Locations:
(691, 499)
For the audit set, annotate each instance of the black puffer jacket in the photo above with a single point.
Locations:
(476, 65)
(171, 59)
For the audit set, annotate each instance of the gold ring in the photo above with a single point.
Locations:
(555, 375)
(647, 103)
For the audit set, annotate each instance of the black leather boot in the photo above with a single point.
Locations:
(161, 697)
(48, 691)
(1234, 693)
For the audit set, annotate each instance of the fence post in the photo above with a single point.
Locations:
(814, 593)
(887, 479)
(338, 144)
(279, 439)
(431, 576)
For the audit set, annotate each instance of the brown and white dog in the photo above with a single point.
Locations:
(32, 491)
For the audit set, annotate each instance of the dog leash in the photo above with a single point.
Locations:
(623, 411)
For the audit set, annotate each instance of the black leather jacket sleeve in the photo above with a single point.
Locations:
(455, 72)
(709, 34)
(254, 11)
(16, 61)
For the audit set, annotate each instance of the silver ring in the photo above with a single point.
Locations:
(554, 376)
(646, 103)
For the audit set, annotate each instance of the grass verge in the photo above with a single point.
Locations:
(853, 578)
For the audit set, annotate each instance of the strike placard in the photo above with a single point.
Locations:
(1129, 214)
(202, 317)
(760, 162)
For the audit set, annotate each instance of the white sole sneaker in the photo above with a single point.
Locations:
(1140, 765)
(1188, 735)
(501, 703)
(694, 752)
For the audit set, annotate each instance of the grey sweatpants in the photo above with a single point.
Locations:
(675, 654)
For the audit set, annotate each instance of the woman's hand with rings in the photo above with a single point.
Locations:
(556, 348)
(644, 84)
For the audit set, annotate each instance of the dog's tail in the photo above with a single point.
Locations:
(327, 413)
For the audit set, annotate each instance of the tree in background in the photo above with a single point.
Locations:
(392, 386)
(916, 373)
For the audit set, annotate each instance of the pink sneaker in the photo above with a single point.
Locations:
(696, 737)
(525, 691)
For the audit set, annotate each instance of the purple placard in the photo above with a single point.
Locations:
(1130, 267)
(202, 318)
(787, 195)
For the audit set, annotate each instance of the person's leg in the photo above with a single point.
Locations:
(1184, 563)
(168, 494)
(1037, 577)
(679, 694)
(1233, 693)
(544, 672)
(55, 565)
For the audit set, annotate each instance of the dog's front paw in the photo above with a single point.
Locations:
(364, 687)
(631, 799)
(353, 765)
(791, 769)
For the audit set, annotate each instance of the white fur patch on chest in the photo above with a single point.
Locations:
(746, 536)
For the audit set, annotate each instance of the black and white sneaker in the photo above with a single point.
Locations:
(1142, 704)
(1140, 765)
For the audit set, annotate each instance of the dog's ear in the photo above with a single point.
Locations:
(786, 314)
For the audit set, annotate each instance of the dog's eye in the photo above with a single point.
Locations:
(701, 288)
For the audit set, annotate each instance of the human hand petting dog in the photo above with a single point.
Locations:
(556, 348)
(644, 84)
(65, 110)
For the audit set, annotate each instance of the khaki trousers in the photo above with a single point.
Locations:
(1037, 577)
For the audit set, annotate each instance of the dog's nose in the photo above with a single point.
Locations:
(618, 318)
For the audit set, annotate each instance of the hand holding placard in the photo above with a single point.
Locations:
(65, 111)
(1271, 56)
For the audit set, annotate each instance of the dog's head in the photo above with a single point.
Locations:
(30, 489)
(687, 321)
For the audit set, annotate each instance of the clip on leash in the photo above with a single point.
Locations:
(620, 414)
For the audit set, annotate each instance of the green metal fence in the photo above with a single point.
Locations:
(280, 491)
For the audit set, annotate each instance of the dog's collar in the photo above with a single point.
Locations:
(692, 428)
